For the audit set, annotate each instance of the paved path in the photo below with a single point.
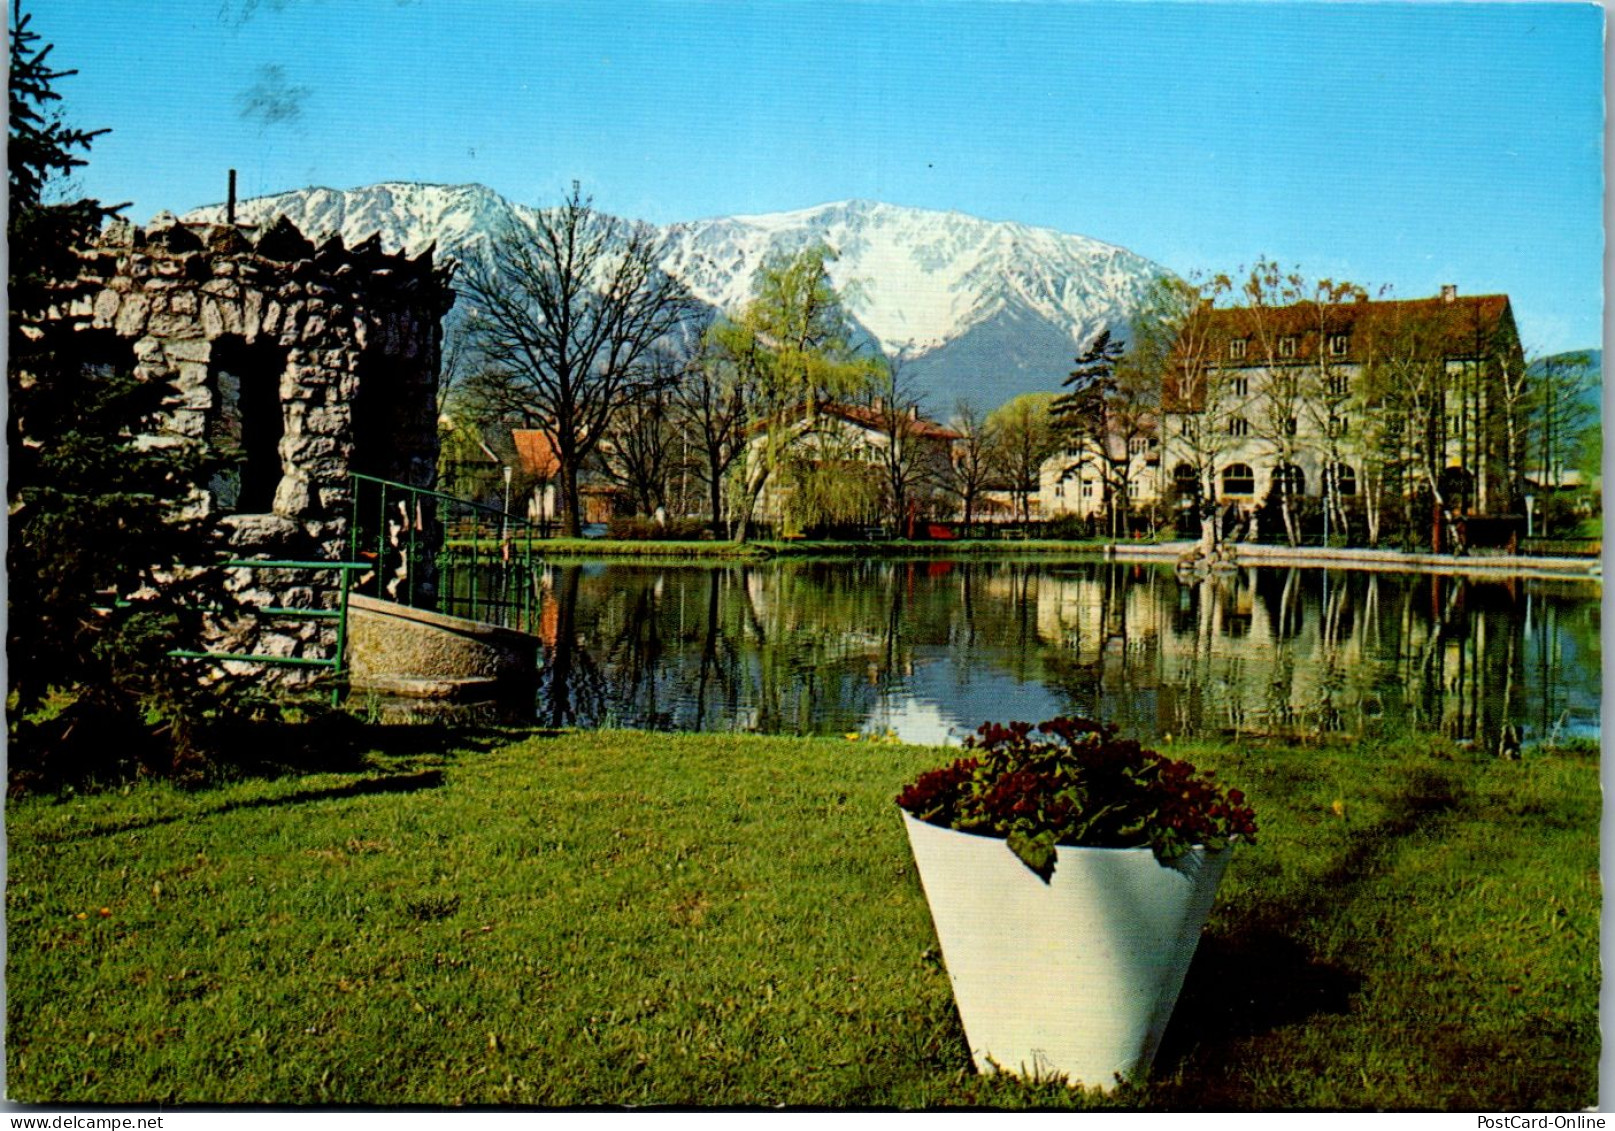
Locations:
(1251, 553)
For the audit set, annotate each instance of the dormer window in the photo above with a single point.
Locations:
(1287, 346)
(1338, 344)
(1236, 349)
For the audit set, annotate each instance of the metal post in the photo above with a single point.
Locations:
(412, 511)
(341, 639)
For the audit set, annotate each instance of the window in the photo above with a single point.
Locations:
(1337, 426)
(1287, 346)
(1059, 488)
(1340, 479)
(1339, 385)
(1241, 386)
(1238, 426)
(1289, 479)
(1185, 480)
(1236, 349)
(1291, 426)
(246, 423)
(1138, 445)
(1338, 344)
(1087, 488)
(1238, 479)
(1132, 490)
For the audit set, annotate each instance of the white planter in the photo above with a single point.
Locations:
(1077, 976)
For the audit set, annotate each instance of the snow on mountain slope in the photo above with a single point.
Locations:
(916, 281)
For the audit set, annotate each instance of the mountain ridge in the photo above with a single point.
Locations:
(935, 287)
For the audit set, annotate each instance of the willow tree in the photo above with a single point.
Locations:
(568, 313)
(1027, 437)
(793, 348)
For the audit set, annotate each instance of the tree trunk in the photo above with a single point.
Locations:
(715, 501)
(571, 514)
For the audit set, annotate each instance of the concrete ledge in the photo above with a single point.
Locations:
(417, 653)
(1253, 553)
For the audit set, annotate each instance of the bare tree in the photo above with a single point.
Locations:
(908, 460)
(1201, 396)
(710, 405)
(640, 444)
(967, 475)
(566, 313)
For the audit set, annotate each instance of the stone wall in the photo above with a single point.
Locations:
(316, 360)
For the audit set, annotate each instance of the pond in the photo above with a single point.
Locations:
(928, 650)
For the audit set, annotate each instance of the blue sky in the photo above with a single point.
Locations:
(1395, 144)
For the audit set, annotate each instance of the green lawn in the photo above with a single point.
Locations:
(617, 918)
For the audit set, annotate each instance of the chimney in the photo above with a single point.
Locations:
(1449, 292)
(880, 404)
(230, 202)
(914, 412)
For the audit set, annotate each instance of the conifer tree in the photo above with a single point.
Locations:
(93, 532)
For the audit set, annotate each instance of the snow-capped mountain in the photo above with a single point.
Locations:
(980, 309)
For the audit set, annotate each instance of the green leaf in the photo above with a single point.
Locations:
(1036, 852)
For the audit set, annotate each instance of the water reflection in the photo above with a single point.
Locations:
(928, 650)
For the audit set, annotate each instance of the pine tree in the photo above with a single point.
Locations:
(93, 529)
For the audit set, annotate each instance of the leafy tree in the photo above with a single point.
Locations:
(568, 314)
(792, 347)
(1027, 437)
(98, 548)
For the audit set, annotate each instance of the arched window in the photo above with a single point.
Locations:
(1340, 479)
(1289, 479)
(1185, 480)
(1238, 479)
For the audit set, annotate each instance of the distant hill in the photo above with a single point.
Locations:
(1594, 396)
(980, 309)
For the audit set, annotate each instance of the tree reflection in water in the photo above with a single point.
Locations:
(934, 648)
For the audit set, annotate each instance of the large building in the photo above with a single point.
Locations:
(1361, 404)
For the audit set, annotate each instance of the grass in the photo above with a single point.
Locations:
(602, 548)
(617, 918)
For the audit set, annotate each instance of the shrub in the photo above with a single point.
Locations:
(641, 529)
(1072, 781)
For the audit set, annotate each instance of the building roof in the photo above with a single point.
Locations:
(1446, 327)
(874, 420)
(535, 453)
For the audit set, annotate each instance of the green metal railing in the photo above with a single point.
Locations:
(416, 547)
(438, 551)
(335, 662)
